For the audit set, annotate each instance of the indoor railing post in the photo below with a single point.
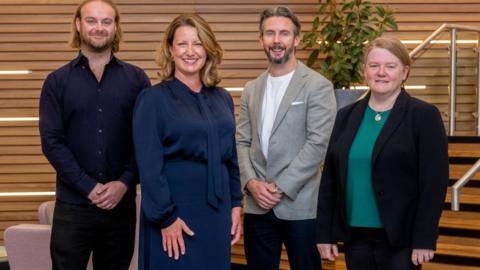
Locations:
(477, 114)
(453, 82)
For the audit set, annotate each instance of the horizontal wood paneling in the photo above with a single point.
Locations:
(34, 34)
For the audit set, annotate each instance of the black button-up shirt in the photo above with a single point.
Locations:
(86, 126)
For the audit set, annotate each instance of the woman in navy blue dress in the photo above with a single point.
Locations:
(184, 134)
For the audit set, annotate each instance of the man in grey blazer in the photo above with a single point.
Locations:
(286, 118)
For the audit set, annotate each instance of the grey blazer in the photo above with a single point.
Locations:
(297, 145)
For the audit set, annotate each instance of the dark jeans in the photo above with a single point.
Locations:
(79, 230)
(369, 249)
(263, 238)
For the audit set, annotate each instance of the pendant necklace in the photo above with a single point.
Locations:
(378, 116)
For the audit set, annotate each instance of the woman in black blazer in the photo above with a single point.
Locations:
(386, 171)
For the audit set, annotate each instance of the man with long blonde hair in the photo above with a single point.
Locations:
(85, 126)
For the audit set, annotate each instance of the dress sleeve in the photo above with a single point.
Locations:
(232, 164)
(157, 204)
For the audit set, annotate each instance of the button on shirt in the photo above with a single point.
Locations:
(274, 92)
(86, 126)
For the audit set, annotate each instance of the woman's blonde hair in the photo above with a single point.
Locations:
(209, 72)
(75, 40)
(394, 46)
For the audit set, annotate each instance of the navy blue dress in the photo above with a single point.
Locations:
(187, 160)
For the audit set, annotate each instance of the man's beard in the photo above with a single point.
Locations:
(281, 60)
(98, 47)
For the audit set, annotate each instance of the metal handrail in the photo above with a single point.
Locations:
(455, 205)
(427, 41)
(462, 182)
(436, 33)
(453, 70)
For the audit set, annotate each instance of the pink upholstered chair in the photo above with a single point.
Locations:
(28, 246)
(45, 212)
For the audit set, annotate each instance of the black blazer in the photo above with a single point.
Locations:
(409, 171)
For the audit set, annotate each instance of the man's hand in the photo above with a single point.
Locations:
(110, 194)
(96, 191)
(172, 238)
(265, 194)
(236, 229)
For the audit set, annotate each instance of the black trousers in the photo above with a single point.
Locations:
(369, 249)
(79, 230)
(265, 234)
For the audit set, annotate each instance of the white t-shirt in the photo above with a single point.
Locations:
(274, 92)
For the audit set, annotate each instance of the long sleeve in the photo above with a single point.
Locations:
(52, 133)
(157, 204)
(432, 154)
(327, 194)
(130, 176)
(233, 169)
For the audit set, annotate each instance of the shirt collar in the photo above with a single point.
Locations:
(82, 60)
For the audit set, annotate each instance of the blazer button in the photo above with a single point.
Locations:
(380, 193)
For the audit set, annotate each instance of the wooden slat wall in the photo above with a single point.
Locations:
(34, 34)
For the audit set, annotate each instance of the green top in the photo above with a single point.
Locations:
(362, 208)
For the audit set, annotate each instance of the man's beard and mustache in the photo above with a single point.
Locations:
(281, 60)
(97, 46)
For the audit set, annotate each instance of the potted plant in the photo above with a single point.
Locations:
(339, 35)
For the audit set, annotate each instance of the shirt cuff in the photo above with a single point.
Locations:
(169, 221)
(127, 178)
(86, 185)
(237, 204)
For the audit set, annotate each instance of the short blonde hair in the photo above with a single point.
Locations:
(394, 46)
(209, 72)
(75, 40)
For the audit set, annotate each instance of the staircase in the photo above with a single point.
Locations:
(459, 241)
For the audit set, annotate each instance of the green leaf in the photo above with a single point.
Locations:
(313, 57)
(380, 11)
(390, 21)
(309, 39)
(344, 29)
(316, 23)
(348, 6)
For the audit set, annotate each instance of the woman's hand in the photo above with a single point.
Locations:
(236, 229)
(421, 256)
(172, 238)
(328, 251)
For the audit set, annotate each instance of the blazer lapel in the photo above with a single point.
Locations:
(394, 119)
(258, 99)
(351, 127)
(294, 87)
